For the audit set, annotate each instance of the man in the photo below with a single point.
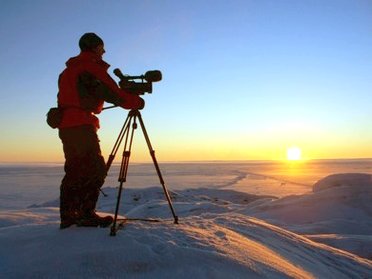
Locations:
(83, 87)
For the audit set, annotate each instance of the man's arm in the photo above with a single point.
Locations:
(90, 87)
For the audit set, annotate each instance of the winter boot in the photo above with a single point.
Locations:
(94, 220)
(65, 223)
(68, 219)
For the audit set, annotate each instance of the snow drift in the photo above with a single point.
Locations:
(338, 212)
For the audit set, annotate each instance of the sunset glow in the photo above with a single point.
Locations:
(294, 153)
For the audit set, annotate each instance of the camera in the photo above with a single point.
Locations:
(129, 84)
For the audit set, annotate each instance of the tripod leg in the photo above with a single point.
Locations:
(152, 153)
(111, 157)
(122, 133)
(113, 227)
(124, 167)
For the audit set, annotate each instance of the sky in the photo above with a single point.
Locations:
(242, 80)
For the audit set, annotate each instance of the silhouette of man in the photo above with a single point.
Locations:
(83, 88)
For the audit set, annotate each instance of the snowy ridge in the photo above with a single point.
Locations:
(209, 246)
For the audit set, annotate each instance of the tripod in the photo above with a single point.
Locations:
(127, 133)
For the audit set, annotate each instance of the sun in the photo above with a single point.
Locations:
(293, 153)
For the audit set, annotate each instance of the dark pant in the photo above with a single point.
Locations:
(85, 171)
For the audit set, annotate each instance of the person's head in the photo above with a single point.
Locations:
(91, 42)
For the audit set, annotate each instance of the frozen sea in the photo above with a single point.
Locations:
(22, 185)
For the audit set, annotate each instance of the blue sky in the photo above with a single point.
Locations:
(241, 79)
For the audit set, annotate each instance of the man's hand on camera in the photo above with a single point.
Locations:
(131, 101)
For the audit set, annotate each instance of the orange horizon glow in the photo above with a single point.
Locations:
(183, 153)
(181, 148)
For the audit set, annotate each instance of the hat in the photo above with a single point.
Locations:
(89, 41)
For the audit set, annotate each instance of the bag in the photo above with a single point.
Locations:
(54, 117)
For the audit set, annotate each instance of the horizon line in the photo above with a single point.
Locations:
(194, 161)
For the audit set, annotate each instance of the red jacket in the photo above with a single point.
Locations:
(69, 99)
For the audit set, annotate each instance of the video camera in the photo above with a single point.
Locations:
(139, 88)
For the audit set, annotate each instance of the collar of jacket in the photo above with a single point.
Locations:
(87, 56)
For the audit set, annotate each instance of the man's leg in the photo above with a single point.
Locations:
(85, 173)
(69, 203)
(90, 192)
(95, 170)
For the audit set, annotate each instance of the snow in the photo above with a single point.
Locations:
(222, 233)
(351, 180)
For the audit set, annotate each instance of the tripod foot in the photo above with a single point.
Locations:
(176, 219)
(113, 231)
